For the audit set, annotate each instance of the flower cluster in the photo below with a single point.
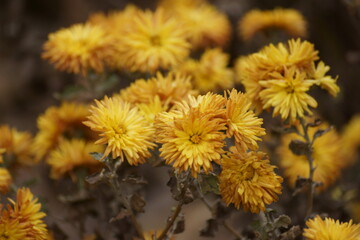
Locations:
(23, 219)
(280, 77)
(289, 20)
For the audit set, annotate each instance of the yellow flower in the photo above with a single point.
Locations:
(151, 109)
(351, 139)
(59, 123)
(191, 140)
(27, 212)
(170, 88)
(210, 72)
(153, 41)
(123, 128)
(5, 180)
(319, 229)
(11, 229)
(248, 180)
(288, 95)
(328, 161)
(79, 49)
(17, 144)
(325, 81)
(242, 122)
(207, 26)
(289, 20)
(70, 155)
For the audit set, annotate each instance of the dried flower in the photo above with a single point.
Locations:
(289, 20)
(125, 131)
(248, 180)
(319, 229)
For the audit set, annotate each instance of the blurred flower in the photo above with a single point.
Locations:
(289, 20)
(242, 122)
(122, 127)
(153, 41)
(288, 95)
(210, 72)
(59, 123)
(24, 217)
(248, 180)
(5, 180)
(2, 151)
(319, 229)
(328, 161)
(190, 141)
(281, 72)
(170, 88)
(351, 138)
(206, 25)
(16, 144)
(71, 154)
(80, 48)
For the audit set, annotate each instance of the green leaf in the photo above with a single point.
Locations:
(209, 183)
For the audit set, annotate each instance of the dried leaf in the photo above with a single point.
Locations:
(316, 123)
(283, 221)
(321, 132)
(210, 229)
(291, 234)
(137, 203)
(180, 224)
(122, 214)
(209, 183)
(97, 156)
(299, 147)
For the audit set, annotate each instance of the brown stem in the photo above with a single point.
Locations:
(171, 221)
(310, 193)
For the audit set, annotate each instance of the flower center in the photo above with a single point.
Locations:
(249, 174)
(195, 139)
(155, 40)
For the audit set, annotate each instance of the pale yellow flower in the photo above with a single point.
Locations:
(122, 128)
(328, 228)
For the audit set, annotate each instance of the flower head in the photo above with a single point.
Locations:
(190, 141)
(5, 180)
(289, 20)
(328, 228)
(11, 229)
(122, 127)
(16, 143)
(59, 123)
(328, 161)
(70, 155)
(206, 25)
(24, 217)
(170, 88)
(288, 95)
(153, 41)
(242, 122)
(248, 180)
(210, 72)
(79, 49)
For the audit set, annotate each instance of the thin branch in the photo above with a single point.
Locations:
(232, 230)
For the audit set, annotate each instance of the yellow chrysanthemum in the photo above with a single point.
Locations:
(122, 127)
(190, 141)
(210, 72)
(289, 20)
(59, 123)
(26, 212)
(70, 155)
(151, 109)
(207, 26)
(328, 161)
(153, 41)
(79, 49)
(11, 229)
(170, 88)
(248, 180)
(351, 139)
(319, 229)
(5, 180)
(16, 144)
(242, 122)
(288, 95)
(283, 63)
